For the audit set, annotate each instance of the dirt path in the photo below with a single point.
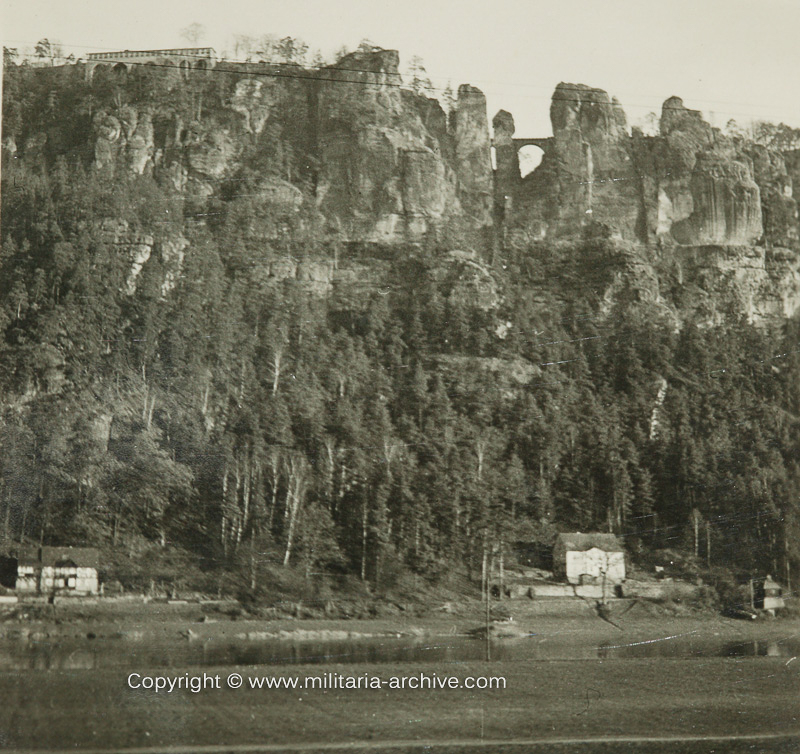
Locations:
(729, 744)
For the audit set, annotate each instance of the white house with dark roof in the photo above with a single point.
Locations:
(581, 558)
(58, 570)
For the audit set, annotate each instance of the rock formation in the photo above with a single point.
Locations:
(128, 137)
(689, 185)
(708, 222)
(472, 155)
(720, 208)
(381, 163)
(391, 169)
(706, 190)
(507, 173)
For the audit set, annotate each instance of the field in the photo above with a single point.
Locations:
(550, 700)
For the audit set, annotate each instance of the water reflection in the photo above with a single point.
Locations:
(702, 648)
(110, 653)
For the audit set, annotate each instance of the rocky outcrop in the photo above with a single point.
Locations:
(172, 252)
(726, 203)
(135, 247)
(778, 207)
(689, 185)
(314, 276)
(126, 137)
(588, 175)
(706, 189)
(138, 248)
(190, 158)
(719, 208)
(596, 182)
(209, 153)
(711, 284)
(384, 171)
(507, 173)
(472, 155)
(347, 154)
(464, 279)
(253, 99)
(380, 162)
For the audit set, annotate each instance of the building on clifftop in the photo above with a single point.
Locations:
(183, 57)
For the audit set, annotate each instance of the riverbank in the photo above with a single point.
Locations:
(577, 622)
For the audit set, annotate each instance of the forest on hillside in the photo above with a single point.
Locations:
(216, 426)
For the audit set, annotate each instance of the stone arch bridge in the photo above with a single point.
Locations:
(545, 143)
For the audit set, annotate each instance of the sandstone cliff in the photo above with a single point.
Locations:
(376, 160)
(720, 209)
(689, 185)
(346, 155)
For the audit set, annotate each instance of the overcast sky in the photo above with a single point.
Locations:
(730, 58)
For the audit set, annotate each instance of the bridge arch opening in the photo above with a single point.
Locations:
(529, 158)
(120, 68)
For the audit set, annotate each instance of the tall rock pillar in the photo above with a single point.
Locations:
(506, 175)
(473, 161)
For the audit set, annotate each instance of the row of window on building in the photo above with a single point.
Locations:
(185, 52)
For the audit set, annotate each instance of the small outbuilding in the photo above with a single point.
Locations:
(589, 558)
(58, 570)
(769, 595)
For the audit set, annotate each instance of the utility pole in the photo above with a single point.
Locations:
(488, 621)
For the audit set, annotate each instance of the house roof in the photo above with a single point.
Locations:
(578, 542)
(82, 557)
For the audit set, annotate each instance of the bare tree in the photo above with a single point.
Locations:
(697, 519)
(244, 45)
(278, 346)
(297, 473)
(46, 49)
(193, 33)
(418, 76)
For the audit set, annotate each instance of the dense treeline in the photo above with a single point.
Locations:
(231, 423)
